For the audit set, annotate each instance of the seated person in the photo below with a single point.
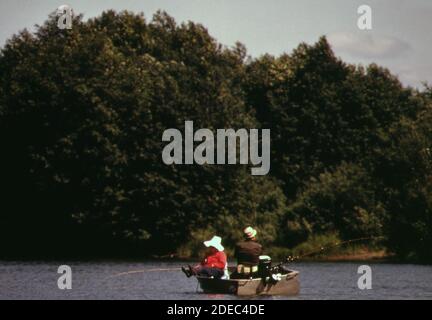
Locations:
(247, 253)
(214, 262)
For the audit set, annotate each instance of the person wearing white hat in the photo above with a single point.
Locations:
(213, 264)
(247, 253)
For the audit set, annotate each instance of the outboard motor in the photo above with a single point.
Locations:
(264, 266)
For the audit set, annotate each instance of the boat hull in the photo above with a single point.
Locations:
(287, 286)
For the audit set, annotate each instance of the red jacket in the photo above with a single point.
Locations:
(217, 260)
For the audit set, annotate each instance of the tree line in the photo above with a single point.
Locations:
(82, 113)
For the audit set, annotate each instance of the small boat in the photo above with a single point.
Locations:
(287, 285)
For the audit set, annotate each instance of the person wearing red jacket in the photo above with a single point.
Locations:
(213, 264)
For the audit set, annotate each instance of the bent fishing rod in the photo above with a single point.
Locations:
(321, 249)
(143, 271)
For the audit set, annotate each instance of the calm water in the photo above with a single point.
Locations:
(95, 281)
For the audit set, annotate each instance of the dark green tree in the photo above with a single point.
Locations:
(87, 107)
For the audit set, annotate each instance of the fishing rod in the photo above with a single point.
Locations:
(327, 247)
(143, 271)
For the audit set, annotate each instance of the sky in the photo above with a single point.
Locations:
(400, 38)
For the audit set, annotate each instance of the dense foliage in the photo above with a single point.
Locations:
(82, 113)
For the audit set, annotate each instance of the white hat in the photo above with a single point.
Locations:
(215, 242)
(250, 232)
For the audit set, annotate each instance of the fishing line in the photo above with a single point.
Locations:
(143, 271)
(333, 245)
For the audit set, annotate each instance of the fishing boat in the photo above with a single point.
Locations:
(288, 284)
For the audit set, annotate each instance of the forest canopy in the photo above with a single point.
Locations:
(82, 113)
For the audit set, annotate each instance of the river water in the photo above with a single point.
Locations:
(101, 280)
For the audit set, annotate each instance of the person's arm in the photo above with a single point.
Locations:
(203, 262)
